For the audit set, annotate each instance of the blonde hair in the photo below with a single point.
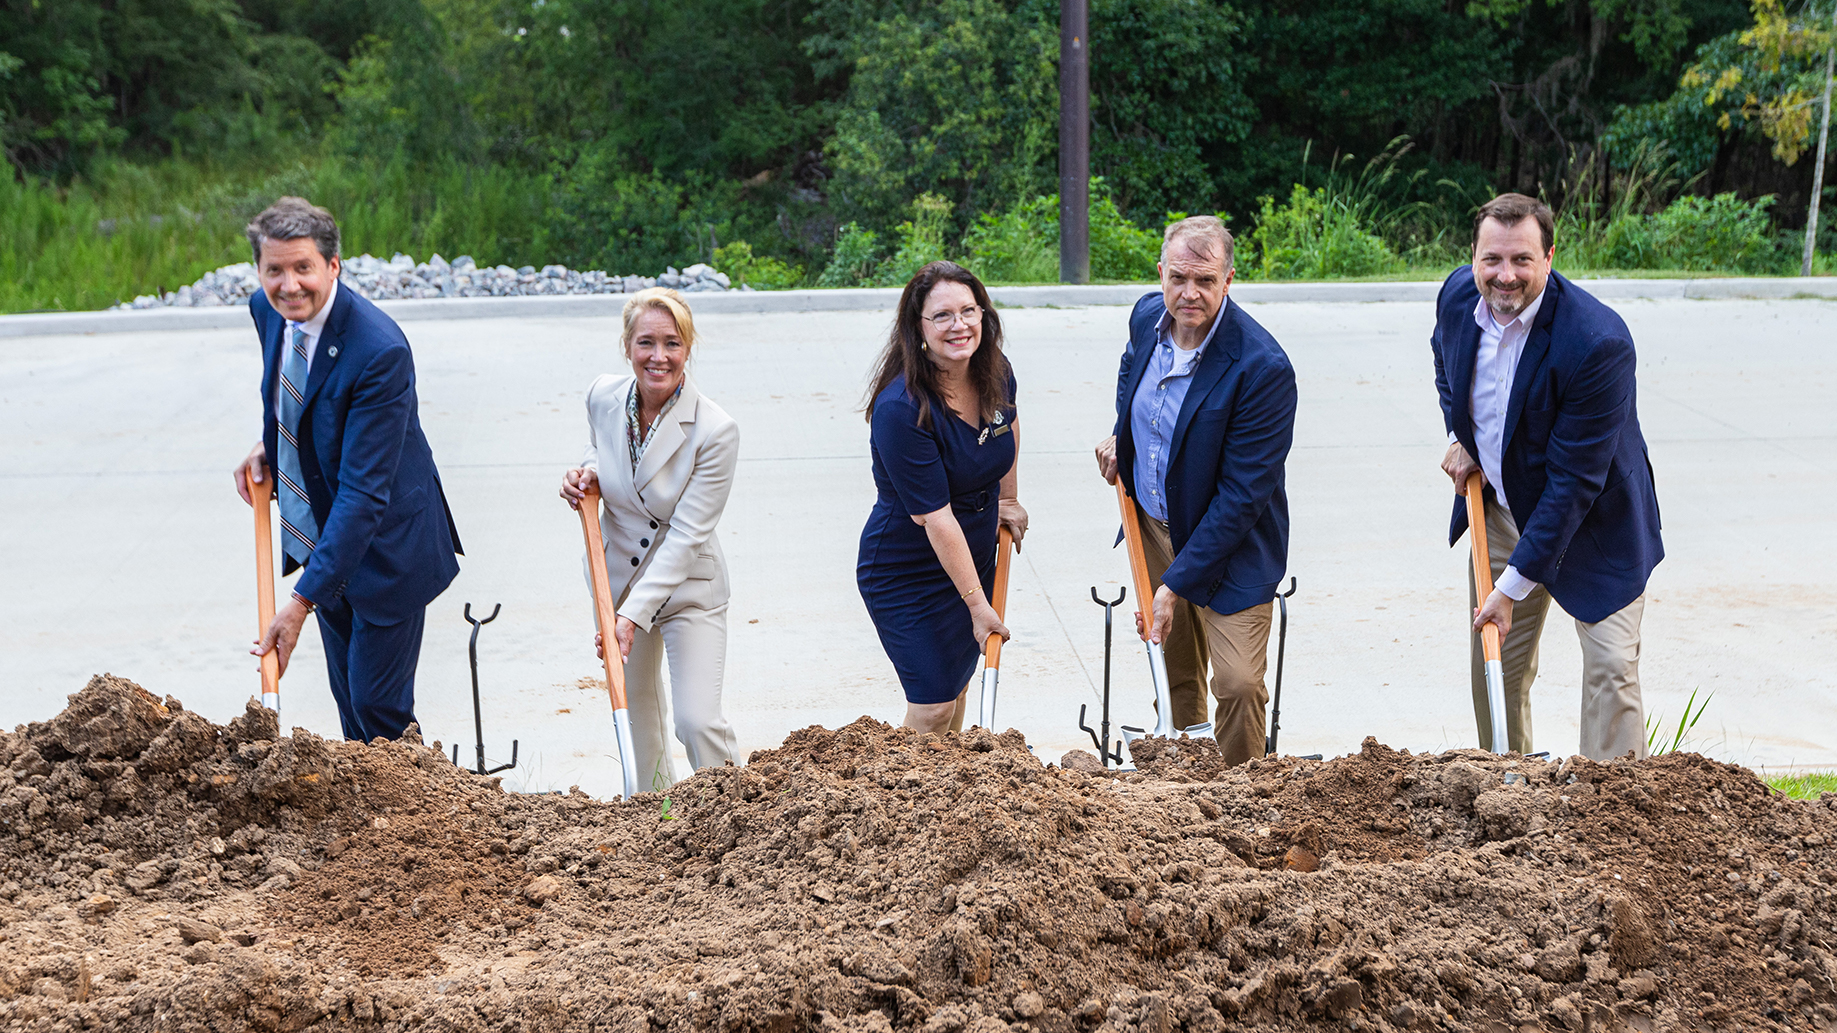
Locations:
(664, 300)
(1204, 235)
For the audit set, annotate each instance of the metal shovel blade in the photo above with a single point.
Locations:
(628, 761)
(990, 677)
(1164, 701)
(1495, 703)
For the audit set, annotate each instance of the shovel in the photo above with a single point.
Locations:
(1489, 632)
(609, 643)
(1144, 594)
(261, 493)
(991, 653)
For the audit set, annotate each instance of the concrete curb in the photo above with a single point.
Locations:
(607, 306)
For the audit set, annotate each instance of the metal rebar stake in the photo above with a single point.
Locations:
(1105, 752)
(1275, 711)
(478, 719)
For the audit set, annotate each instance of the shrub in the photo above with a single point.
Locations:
(1021, 245)
(921, 240)
(857, 254)
(1313, 236)
(1626, 243)
(1718, 233)
(1120, 250)
(1700, 234)
(761, 272)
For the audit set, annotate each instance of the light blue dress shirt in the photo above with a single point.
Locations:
(1156, 408)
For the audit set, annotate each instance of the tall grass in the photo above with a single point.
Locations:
(496, 215)
(142, 229)
(67, 249)
(135, 229)
(1333, 231)
(1809, 785)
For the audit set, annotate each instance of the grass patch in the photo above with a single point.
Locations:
(1804, 786)
(144, 229)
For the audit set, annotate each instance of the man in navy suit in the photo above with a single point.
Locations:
(360, 502)
(1205, 414)
(1537, 392)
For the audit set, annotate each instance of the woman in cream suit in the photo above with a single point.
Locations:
(663, 456)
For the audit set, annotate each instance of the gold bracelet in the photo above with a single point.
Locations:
(971, 592)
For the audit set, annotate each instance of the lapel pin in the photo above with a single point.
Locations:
(332, 351)
(983, 439)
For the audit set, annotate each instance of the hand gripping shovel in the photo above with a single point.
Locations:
(261, 494)
(991, 653)
(609, 642)
(1144, 594)
(1489, 633)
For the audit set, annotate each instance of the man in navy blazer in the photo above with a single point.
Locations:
(361, 506)
(1205, 414)
(1537, 392)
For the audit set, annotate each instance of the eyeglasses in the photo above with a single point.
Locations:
(946, 320)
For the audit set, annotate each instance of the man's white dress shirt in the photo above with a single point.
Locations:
(1494, 369)
(313, 327)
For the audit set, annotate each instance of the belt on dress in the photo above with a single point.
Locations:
(974, 502)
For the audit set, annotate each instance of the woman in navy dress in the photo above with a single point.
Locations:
(945, 465)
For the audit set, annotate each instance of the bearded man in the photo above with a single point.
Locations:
(1537, 389)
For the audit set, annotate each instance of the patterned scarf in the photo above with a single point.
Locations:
(637, 439)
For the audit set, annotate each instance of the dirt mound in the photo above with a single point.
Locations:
(161, 872)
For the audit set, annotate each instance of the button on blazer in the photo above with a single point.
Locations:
(658, 521)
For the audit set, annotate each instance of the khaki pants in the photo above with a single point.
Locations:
(1613, 719)
(1234, 645)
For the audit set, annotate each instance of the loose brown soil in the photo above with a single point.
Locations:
(160, 872)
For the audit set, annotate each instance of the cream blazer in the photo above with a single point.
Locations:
(658, 521)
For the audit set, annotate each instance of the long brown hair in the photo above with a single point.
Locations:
(904, 354)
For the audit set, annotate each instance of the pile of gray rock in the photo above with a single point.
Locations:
(402, 277)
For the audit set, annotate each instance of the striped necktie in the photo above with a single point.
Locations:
(300, 528)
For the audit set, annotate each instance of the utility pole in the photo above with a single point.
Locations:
(1817, 170)
(1074, 141)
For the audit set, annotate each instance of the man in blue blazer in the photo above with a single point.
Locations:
(1205, 414)
(361, 508)
(1537, 392)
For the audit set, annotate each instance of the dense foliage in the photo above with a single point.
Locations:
(841, 141)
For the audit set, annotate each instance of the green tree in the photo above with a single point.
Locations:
(1760, 83)
(718, 87)
(957, 98)
(1168, 103)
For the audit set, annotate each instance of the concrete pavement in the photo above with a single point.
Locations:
(125, 550)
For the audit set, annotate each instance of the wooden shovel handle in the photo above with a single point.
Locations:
(602, 597)
(261, 494)
(1482, 560)
(1138, 555)
(1004, 548)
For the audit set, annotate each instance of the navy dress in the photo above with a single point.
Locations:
(924, 623)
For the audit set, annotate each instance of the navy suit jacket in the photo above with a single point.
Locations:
(1227, 510)
(386, 537)
(1577, 478)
